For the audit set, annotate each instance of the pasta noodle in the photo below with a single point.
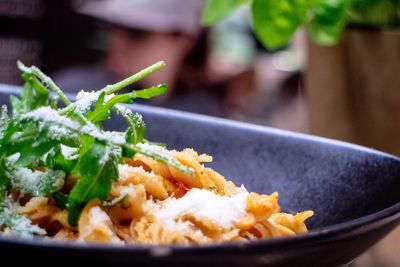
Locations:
(157, 204)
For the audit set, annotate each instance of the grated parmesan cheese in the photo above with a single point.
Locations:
(122, 110)
(125, 171)
(85, 99)
(97, 216)
(50, 115)
(13, 158)
(203, 205)
(68, 152)
(117, 137)
(26, 178)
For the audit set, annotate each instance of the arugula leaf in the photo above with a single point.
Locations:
(16, 105)
(61, 200)
(55, 159)
(136, 126)
(98, 169)
(37, 183)
(275, 22)
(160, 154)
(54, 102)
(38, 75)
(102, 110)
(150, 92)
(4, 119)
(31, 145)
(19, 224)
(98, 106)
(328, 21)
(4, 122)
(5, 180)
(216, 10)
(93, 132)
(33, 95)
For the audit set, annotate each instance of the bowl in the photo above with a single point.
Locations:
(354, 192)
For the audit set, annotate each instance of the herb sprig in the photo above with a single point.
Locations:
(44, 141)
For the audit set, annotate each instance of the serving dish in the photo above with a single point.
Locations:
(354, 192)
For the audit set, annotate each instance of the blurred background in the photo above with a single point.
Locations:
(340, 92)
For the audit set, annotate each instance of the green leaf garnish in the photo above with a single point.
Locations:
(98, 168)
(136, 126)
(41, 144)
(61, 200)
(42, 79)
(37, 183)
(19, 224)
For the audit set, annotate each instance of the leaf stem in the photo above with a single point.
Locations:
(134, 78)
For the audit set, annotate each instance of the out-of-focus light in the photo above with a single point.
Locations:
(286, 61)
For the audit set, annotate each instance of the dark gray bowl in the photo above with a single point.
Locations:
(354, 192)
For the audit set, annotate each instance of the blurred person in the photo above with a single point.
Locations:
(140, 33)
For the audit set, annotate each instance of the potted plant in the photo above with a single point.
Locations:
(352, 81)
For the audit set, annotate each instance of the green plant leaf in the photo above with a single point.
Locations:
(57, 160)
(98, 169)
(5, 180)
(136, 126)
(4, 123)
(61, 200)
(19, 224)
(36, 74)
(328, 21)
(275, 22)
(216, 10)
(160, 154)
(376, 13)
(34, 94)
(150, 92)
(32, 144)
(37, 183)
(102, 109)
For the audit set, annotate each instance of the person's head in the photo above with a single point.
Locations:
(142, 32)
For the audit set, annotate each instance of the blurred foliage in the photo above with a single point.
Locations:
(275, 22)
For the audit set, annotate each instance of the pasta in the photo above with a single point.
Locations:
(159, 205)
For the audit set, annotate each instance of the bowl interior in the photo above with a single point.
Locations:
(339, 181)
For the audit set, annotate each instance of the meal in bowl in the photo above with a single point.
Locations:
(65, 177)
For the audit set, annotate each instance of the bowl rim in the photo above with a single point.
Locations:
(323, 234)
